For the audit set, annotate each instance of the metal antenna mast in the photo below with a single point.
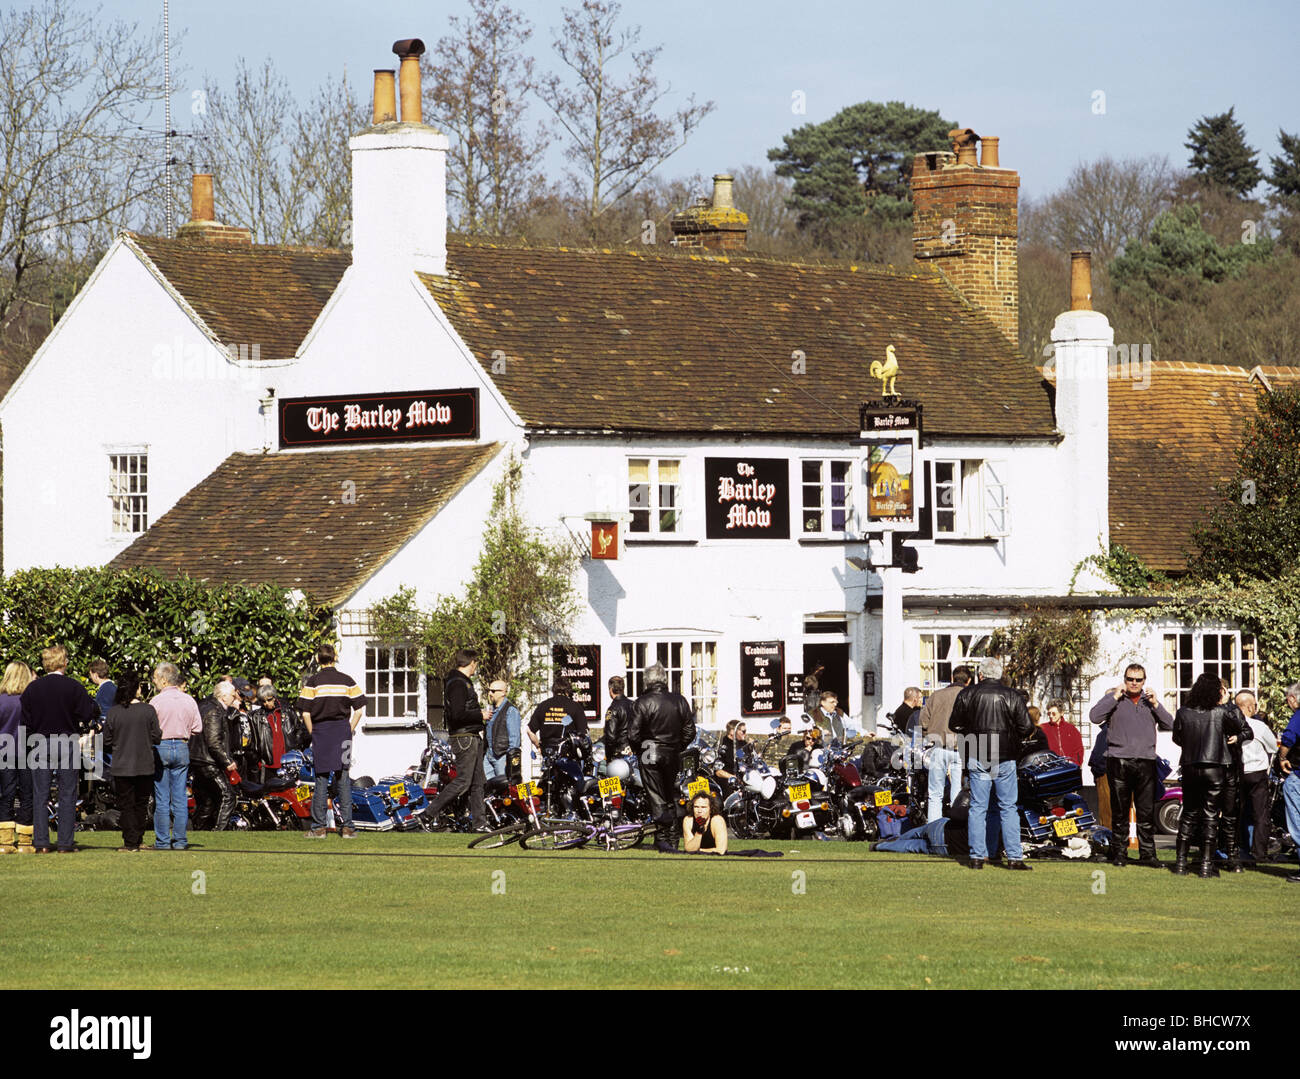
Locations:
(167, 117)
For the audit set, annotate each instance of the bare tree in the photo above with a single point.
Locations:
(616, 135)
(478, 92)
(320, 151)
(75, 92)
(1103, 204)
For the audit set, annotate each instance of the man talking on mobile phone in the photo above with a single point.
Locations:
(1134, 714)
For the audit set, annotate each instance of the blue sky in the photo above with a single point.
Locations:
(1025, 72)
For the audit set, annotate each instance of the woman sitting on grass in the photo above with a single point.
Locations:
(705, 829)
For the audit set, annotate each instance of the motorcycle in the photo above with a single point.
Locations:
(280, 800)
(1054, 817)
(857, 802)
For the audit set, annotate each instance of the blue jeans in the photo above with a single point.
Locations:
(320, 795)
(67, 824)
(944, 764)
(982, 783)
(928, 839)
(171, 811)
(494, 766)
(1291, 798)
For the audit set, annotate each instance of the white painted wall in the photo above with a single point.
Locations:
(125, 365)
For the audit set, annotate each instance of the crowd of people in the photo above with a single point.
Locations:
(983, 726)
(160, 741)
(159, 736)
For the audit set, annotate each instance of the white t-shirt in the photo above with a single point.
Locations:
(1256, 753)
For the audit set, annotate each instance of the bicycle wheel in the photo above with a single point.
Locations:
(557, 835)
(499, 837)
(626, 836)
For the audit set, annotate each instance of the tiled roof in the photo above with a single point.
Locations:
(297, 524)
(1170, 444)
(260, 295)
(637, 341)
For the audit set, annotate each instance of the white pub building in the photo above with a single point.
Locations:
(334, 421)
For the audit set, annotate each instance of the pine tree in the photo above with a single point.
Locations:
(1221, 155)
(1285, 177)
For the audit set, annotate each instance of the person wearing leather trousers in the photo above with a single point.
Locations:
(1203, 728)
(663, 724)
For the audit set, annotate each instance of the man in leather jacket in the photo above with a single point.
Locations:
(663, 724)
(211, 764)
(618, 717)
(463, 716)
(995, 721)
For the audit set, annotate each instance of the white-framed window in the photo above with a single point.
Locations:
(690, 664)
(969, 499)
(941, 652)
(1230, 654)
(128, 490)
(827, 497)
(654, 494)
(393, 681)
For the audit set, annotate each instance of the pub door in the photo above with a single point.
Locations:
(835, 659)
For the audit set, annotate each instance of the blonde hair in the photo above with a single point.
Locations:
(1035, 713)
(17, 677)
(54, 658)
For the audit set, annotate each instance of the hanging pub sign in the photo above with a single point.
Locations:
(762, 678)
(892, 435)
(746, 498)
(580, 664)
(347, 419)
(604, 539)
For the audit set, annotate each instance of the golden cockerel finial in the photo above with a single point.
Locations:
(886, 372)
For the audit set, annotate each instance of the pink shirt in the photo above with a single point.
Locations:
(178, 715)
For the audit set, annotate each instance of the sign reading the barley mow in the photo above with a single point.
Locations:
(747, 498)
(384, 417)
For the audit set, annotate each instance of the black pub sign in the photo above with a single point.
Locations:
(762, 678)
(345, 419)
(746, 498)
(580, 664)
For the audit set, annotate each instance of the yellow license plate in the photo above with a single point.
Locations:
(697, 786)
(801, 793)
(611, 786)
(304, 792)
(397, 790)
(1065, 827)
(884, 798)
(526, 790)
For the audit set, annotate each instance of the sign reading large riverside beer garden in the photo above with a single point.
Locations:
(746, 498)
(762, 678)
(580, 664)
(386, 417)
(892, 433)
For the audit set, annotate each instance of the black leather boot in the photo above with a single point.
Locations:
(1180, 857)
(1207, 851)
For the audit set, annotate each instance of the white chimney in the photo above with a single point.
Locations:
(399, 181)
(1082, 341)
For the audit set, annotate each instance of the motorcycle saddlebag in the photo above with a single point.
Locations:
(1045, 775)
(387, 804)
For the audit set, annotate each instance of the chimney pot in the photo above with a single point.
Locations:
(989, 152)
(963, 141)
(410, 50)
(1080, 280)
(202, 207)
(722, 192)
(385, 96)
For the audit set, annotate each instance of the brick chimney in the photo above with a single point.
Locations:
(203, 225)
(714, 223)
(399, 178)
(965, 222)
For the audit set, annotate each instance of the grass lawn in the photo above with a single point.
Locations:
(403, 911)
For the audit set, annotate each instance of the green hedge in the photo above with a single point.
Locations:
(137, 618)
